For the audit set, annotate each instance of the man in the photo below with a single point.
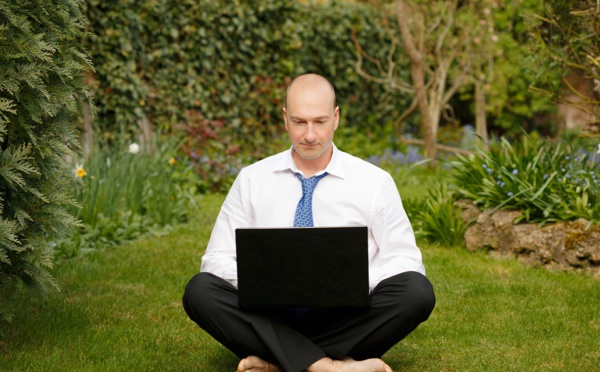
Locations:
(347, 192)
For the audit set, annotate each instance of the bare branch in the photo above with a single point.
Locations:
(456, 84)
(388, 78)
(359, 55)
(407, 112)
(451, 9)
(436, 23)
(450, 149)
(390, 57)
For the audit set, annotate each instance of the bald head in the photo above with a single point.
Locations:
(310, 82)
(311, 118)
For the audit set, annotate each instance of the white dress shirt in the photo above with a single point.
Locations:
(354, 193)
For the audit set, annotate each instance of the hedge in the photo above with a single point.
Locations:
(174, 61)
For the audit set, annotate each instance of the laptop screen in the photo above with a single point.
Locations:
(314, 266)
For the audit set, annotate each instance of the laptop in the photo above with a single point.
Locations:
(318, 267)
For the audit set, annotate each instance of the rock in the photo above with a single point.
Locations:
(505, 218)
(563, 245)
(528, 238)
(573, 260)
(468, 211)
(492, 231)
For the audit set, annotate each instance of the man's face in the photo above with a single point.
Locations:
(310, 120)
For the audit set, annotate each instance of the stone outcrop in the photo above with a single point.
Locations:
(562, 245)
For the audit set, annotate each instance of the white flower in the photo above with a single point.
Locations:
(79, 170)
(134, 148)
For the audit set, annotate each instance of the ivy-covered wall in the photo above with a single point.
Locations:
(175, 61)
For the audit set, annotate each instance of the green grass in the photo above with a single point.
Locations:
(120, 310)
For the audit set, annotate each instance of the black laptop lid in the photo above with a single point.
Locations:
(315, 266)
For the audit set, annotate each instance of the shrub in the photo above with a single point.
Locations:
(41, 89)
(215, 156)
(425, 195)
(435, 218)
(124, 194)
(229, 61)
(546, 181)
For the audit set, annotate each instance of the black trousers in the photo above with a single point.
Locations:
(398, 305)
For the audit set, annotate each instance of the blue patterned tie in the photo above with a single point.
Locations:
(304, 217)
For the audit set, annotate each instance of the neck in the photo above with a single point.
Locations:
(312, 166)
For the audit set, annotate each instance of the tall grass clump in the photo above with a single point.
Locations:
(125, 193)
(435, 217)
(426, 198)
(546, 181)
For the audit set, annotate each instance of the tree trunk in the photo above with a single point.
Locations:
(418, 77)
(435, 112)
(146, 134)
(480, 121)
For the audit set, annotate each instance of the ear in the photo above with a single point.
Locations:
(336, 117)
(283, 110)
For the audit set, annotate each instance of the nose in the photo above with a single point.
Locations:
(310, 135)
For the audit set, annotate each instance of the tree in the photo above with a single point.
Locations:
(428, 118)
(439, 51)
(41, 94)
(567, 36)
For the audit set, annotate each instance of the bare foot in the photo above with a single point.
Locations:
(349, 365)
(255, 364)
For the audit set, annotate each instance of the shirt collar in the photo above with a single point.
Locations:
(334, 168)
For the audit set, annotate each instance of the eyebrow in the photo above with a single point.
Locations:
(295, 118)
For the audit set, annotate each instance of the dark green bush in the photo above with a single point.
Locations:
(41, 89)
(167, 60)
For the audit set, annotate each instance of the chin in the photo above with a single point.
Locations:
(309, 155)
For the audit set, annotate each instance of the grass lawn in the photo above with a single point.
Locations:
(121, 311)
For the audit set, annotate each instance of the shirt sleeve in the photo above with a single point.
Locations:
(220, 256)
(394, 236)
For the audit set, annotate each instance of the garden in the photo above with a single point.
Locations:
(123, 125)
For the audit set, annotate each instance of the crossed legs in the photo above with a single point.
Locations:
(321, 340)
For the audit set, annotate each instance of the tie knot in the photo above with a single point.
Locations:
(309, 184)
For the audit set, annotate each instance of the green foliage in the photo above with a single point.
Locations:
(127, 194)
(427, 199)
(435, 218)
(121, 311)
(545, 181)
(365, 143)
(502, 50)
(215, 156)
(41, 89)
(566, 37)
(169, 60)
